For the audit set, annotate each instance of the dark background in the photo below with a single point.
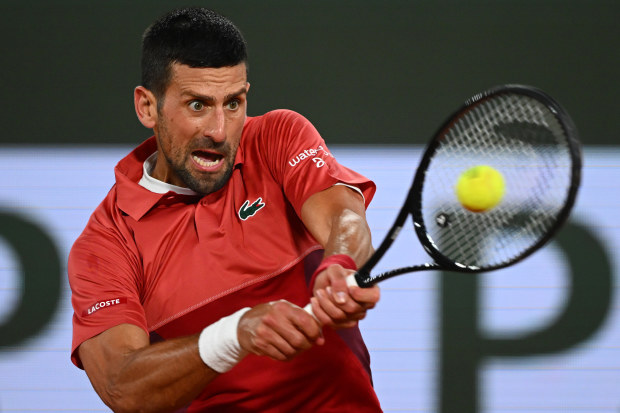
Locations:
(367, 72)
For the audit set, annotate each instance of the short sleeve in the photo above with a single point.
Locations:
(301, 161)
(104, 277)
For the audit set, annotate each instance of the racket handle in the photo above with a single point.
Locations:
(350, 282)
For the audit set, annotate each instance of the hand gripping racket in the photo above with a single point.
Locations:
(527, 137)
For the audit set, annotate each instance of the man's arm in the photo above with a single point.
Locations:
(130, 375)
(336, 217)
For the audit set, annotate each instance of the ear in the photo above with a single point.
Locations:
(146, 106)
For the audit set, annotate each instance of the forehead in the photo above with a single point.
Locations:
(206, 80)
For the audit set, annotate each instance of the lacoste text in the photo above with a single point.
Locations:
(102, 304)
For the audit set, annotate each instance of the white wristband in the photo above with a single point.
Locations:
(218, 344)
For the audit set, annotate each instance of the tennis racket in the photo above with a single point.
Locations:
(531, 140)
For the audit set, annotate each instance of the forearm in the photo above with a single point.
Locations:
(349, 234)
(132, 375)
(157, 378)
(336, 217)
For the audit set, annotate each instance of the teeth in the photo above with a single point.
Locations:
(205, 163)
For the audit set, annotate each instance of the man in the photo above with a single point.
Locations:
(188, 281)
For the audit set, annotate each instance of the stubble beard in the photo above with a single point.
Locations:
(202, 183)
(206, 184)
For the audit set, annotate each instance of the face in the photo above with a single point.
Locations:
(198, 126)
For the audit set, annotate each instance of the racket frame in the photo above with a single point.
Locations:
(413, 203)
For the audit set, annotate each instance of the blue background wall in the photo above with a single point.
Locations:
(541, 336)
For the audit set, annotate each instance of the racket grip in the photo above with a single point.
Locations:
(350, 282)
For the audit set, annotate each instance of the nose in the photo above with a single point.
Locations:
(216, 125)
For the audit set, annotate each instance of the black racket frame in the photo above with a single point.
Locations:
(413, 203)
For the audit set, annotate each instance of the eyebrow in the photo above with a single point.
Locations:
(211, 99)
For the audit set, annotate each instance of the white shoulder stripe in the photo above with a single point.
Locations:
(356, 189)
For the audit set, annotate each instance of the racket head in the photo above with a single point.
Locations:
(531, 140)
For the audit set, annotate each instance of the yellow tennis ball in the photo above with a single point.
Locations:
(480, 188)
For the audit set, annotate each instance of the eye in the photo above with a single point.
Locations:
(196, 105)
(233, 105)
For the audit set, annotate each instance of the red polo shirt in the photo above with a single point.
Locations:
(173, 264)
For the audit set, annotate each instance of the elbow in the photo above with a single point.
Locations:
(120, 400)
(123, 399)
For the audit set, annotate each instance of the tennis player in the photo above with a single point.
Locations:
(189, 278)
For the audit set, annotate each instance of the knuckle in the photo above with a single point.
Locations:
(279, 306)
(280, 356)
(261, 338)
(298, 342)
(289, 351)
(271, 319)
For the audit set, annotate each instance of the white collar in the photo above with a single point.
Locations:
(157, 186)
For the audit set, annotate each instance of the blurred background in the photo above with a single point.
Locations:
(363, 71)
(376, 78)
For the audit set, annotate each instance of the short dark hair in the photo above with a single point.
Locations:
(194, 36)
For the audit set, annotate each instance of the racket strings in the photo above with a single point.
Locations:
(522, 139)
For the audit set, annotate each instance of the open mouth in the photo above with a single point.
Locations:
(207, 160)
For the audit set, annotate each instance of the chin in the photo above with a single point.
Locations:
(213, 185)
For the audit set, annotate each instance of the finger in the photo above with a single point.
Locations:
(297, 339)
(349, 306)
(341, 282)
(277, 330)
(318, 311)
(299, 329)
(326, 320)
(335, 316)
(353, 309)
(265, 342)
(304, 322)
(338, 287)
(365, 297)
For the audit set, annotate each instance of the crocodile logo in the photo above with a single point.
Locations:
(247, 210)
